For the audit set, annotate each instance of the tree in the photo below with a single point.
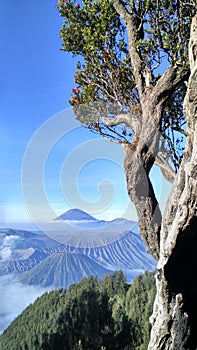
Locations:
(139, 305)
(136, 57)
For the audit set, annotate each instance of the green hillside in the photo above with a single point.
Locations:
(90, 315)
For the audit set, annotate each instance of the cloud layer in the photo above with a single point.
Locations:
(14, 298)
(7, 247)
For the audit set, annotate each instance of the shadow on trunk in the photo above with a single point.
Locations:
(180, 272)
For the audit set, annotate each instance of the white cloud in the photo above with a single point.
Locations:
(7, 247)
(5, 253)
(15, 297)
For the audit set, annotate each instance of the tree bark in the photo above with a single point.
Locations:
(174, 316)
(138, 161)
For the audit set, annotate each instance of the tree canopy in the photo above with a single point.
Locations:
(122, 62)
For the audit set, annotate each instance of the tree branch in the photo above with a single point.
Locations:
(132, 30)
(132, 120)
(172, 77)
(167, 171)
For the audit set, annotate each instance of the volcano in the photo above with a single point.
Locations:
(75, 215)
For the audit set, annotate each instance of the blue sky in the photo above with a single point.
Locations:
(35, 85)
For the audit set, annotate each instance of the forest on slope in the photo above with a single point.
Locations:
(89, 315)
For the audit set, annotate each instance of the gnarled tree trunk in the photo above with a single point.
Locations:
(173, 239)
(138, 161)
(174, 318)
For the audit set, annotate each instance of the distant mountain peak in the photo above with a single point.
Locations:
(75, 215)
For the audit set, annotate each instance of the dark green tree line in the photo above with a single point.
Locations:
(90, 315)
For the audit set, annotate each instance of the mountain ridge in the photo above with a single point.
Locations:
(124, 250)
(60, 270)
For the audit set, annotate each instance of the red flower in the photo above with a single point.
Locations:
(77, 6)
(75, 90)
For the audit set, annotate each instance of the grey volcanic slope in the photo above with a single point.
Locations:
(22, 264)
(28, 239)
(60, 270)
(75, 215)
(27, 250)
(127, 252)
